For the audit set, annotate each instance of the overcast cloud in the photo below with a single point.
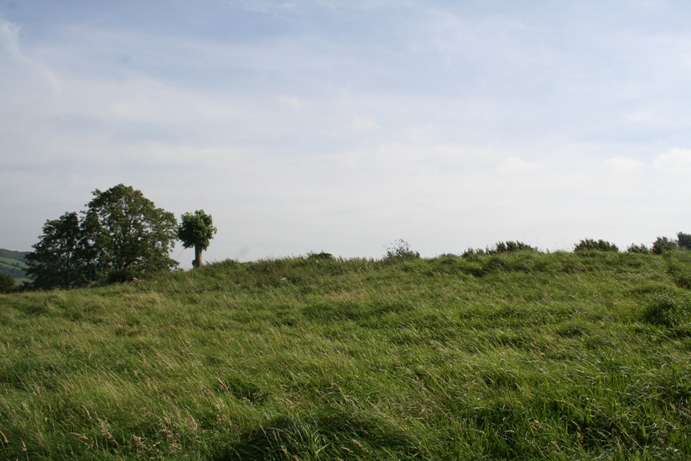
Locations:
(343, 125)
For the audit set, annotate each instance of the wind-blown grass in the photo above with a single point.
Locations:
(509, 356)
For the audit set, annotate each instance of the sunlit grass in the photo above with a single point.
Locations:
(512, 356)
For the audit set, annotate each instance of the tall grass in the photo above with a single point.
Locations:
(507, 356)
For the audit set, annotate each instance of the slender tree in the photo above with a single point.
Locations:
(196, 230)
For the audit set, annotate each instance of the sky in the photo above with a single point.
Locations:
(343, 126)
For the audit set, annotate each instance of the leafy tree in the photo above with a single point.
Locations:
(121, 234)
(61, 258)
(196, 230)
(128, 234)
(6, 283)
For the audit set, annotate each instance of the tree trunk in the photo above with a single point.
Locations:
(197, 256)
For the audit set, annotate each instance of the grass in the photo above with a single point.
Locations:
(513, 356)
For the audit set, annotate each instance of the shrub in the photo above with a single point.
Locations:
(663, 245)
(593, 245)
(684, 240)
(633, 248)
(118, 277)
(510, 247)
(400, 249)
(499, 247)
(6, 283)
(473, 253)
(318, 256)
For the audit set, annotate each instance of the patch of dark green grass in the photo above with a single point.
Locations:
(330, 434)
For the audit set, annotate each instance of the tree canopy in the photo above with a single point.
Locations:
(128, 233)
(196, 230)
(121, 235)
(61, 258)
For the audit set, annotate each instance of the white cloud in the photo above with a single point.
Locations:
(9, 38)
(22, 65)
(676, 161)
(363, 124)
(292, 102)
(518, 166)
(420, 133)
(262, 6)
(622, 165)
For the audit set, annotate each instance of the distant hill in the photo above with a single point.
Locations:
(13, 263)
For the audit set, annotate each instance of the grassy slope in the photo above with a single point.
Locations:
(18, 255)
(13, 263)
(518, 356)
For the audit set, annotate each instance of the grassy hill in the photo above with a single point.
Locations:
(13, 263)
(515, 356)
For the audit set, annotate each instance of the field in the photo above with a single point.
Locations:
(522, 355)
(13, 264)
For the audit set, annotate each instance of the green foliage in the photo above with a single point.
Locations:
(684, 240)
(127, 233)
(400, 250)
(62, 257)
(595, 245)
(499, 248)
(663, 245)
(511, 247)
(473, 253)
(641, 249)
(6, 283)
(319, 256)
(196, 230)
(121, 232)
